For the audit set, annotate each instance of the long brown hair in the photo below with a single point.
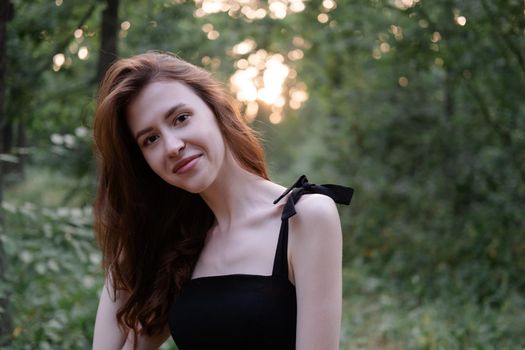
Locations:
(150, 232)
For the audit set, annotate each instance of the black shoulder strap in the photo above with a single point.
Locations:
(340, 194)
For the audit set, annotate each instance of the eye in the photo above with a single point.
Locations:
(181, 118)
(149, 140)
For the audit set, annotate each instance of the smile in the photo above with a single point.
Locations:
(186, 164)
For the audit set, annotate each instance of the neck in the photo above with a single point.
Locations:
(236, 194)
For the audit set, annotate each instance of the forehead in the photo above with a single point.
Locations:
(157, 98)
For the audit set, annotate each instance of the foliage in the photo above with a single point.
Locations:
(55, 271)
(378, 315)
(40, 30)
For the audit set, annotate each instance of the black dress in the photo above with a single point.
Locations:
(243, 311)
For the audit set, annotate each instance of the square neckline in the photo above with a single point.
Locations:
(340, 194)
(275, 267)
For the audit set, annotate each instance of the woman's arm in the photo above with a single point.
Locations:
(316, 261)
(145, 342)
(109, 336)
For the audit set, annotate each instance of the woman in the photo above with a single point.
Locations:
(192, 241)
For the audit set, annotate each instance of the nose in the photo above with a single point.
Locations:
(173, 145)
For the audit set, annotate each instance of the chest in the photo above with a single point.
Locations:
(249, 249)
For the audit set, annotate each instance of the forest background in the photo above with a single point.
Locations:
(418, 105)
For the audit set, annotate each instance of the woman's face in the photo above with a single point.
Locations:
(177, 134)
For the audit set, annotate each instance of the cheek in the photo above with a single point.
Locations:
(219, 146)
(218, 140)
(152, 160)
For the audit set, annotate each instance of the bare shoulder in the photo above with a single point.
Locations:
(315, 211)
(316, 223)
(315, 239)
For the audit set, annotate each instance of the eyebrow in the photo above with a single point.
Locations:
(166, 116)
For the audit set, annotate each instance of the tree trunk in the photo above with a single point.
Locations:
(108, 38)
(5, 14)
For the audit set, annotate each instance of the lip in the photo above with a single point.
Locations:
(185, 164)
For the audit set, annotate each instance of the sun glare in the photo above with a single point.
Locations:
(253, 9)
(262, 77)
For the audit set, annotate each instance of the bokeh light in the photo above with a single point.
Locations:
(213, 35)
(384, 47)
(405, 4)
(275, 118)
(397, 31)
(244, 47)
(461, 20)
(251, 9)
(83, 53)
(261, 77)
(78, 33)
(296, 54)
(403, 81)
(329, 4)
(58, 60)
(323, 18)
(278, 9)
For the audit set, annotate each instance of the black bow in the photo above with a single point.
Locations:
(340, 194)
